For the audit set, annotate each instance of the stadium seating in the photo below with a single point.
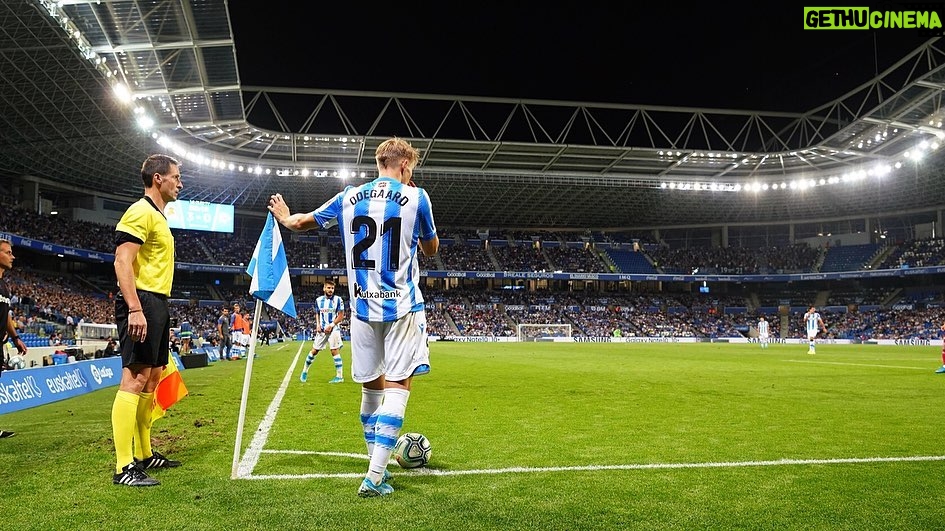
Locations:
(628, 261)
(848, 257)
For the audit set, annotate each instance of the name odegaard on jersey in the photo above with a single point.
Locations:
(379, 193)
(361, 293)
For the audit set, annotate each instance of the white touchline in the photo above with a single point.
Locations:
(592, 468)
(251, 456)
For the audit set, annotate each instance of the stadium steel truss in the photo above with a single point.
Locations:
(490, 162)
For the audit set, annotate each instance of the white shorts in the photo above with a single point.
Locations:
(811, 335)
(332, 339)
(393, 349)
(763, 337)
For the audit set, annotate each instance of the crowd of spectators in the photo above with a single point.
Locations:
(578, 260)
(884, 323)
(799, 258)
(522, 257)
(41, 299)
(462, 257)
(44, 298)
(915, 253)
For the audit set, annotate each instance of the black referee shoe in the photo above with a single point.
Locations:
(158, 461)
(6, 434)
(134, 476)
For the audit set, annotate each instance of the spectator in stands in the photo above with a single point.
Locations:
(110, 348)
(223, 329)
(144, 267)
(9, 330)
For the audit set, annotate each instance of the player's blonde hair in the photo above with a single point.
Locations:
(393, 150)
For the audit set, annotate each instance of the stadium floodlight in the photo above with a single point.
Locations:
(122, 93)
(145, 122)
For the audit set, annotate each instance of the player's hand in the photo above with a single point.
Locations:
(277, 206)
(20, 346)
(137, 326)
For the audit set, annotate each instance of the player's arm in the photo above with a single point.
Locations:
(125, 255)
(340, 316)
(823, 326)
(429, 240)
(11, 333)
(430, 247)
(294, 222)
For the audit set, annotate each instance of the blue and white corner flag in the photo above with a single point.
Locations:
(270, 270)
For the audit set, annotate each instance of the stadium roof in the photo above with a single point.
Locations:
(487, 161)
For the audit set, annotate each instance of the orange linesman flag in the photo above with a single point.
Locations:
(170, 389)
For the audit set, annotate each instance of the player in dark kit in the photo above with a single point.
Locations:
(9, 329)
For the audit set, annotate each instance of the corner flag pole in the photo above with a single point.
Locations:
(257, 314)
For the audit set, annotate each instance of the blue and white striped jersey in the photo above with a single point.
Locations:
(763, 327)
(813, 321)
(328, 308)
(381, 223)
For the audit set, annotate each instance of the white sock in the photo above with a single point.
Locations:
(390, 419)
(370, 401)
(338, 365)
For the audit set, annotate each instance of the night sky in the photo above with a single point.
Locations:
(695, 57)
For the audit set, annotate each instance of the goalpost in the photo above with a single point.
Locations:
(537, 332)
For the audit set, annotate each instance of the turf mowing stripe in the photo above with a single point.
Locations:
(860, 365)
(251, 456)
(593, 468)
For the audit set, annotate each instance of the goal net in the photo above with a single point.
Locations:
(537, 332)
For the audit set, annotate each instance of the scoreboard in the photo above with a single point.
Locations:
(199, 215)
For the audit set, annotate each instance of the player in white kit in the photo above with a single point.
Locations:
(383, 223)
(814, 324)
(763, 332)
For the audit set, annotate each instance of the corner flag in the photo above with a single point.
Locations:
(270, 270)
(170, 389)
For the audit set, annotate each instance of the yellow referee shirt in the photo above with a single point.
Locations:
(154, 265)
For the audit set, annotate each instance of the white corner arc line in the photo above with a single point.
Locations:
(593, 468)
(255, 448)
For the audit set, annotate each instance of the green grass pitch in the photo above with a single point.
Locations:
(525, 436)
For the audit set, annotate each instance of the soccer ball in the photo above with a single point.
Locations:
(412, 450)
(17, 362)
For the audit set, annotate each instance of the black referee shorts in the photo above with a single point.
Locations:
(155, 349)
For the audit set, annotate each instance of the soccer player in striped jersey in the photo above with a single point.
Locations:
(813, 323)
(941, 370)
(763, 331)
(382, 224)
(331, 311)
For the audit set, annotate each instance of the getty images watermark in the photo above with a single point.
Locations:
(924, 18)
